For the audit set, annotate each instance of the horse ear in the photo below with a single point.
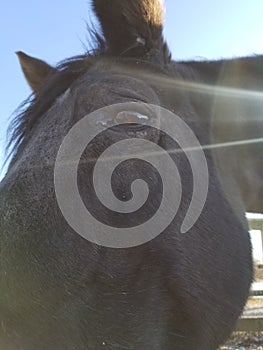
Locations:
(132, 28)
(35, 71)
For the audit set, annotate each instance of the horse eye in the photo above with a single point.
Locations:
(124, 117)
(131, 117)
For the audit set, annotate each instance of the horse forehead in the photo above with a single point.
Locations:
(111, 78)
(107, 87)
(117, 75)
(157, 85)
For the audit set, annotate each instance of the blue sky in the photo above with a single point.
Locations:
(53, 32)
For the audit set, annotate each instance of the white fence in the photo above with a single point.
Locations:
(256, 234)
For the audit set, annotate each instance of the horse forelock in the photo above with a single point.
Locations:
(141, 24)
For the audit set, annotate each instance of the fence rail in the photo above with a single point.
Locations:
(256, 289)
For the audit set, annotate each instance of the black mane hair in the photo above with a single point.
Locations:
(36, 105)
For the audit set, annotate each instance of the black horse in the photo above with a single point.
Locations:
(176, 291)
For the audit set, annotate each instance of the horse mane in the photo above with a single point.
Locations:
(32, 108)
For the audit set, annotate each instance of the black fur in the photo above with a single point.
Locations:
(184, 292)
